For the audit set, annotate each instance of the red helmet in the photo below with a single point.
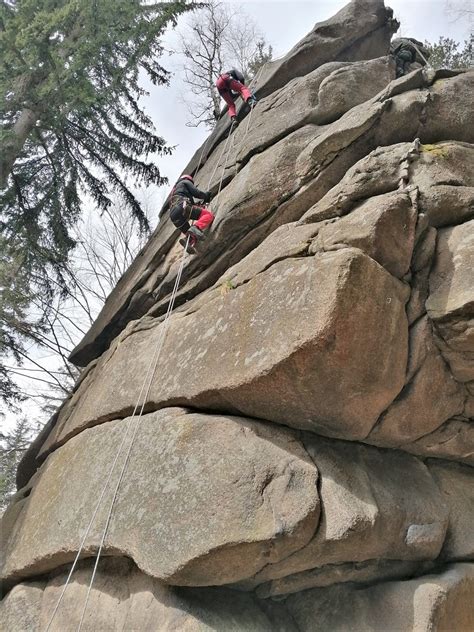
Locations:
(186, 177)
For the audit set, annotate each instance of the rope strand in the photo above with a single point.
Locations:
(145, 390)
(148, 379)
(157, 353)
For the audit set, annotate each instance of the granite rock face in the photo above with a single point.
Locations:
(180, 514)
(124, 598)
(434, 602)
(304, 460)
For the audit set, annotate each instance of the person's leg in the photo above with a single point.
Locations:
(241, 89)
(178, 218)
(404, 58)
(226, 95)
(224, 91)
(203, 218)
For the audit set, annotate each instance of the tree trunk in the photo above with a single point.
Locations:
(15, 141)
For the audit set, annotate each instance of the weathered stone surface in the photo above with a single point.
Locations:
(453, 440)
(456, 483)
(439, 602)
(384, 120)
(318, 98)
(451, 302)
(383, 227)
(289, 240)
(268, 178)
(368, 514)
(377, 173)
(351, 85)
(287, 346)
(20, 609)
(361, 30)
(444, 173)
(123, 598)
(370, 571)
(430, 169)
(205, 500)
(430, 396)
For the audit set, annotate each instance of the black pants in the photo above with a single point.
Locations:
(182, 211)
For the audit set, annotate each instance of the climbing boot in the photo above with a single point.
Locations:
(234, 120)
(197, 233)
(188, 242)
(252, 101)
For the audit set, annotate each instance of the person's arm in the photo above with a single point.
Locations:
(197, 193)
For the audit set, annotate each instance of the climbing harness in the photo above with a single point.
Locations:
(134, 421)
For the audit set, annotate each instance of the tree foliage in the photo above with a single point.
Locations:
(16, 322)
(218, 37)
(447, 53)
(71, 124)
(106, 246)
(13, 445)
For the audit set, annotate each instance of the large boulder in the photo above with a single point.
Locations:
(383, 227)
(456, 485)
(451, 301)
(372, 523)
(294, 345)
(415, 412)
(205, 499)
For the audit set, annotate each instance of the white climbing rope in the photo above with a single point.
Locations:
(202, 154)
(147, 383)
(221, 155)
(144, 391)
(154, 362)
(421, 55)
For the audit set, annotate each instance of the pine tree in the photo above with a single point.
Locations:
(71, 124)
(71, 120)
(16, 325)
(13, 445)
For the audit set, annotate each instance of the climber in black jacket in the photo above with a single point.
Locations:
(182, 208)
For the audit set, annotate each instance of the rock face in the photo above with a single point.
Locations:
(238, 468)
(126, 599)
(304, 460)
(435, 602)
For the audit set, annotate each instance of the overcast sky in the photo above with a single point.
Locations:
(284, 23)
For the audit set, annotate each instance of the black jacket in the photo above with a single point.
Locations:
(236, 74)
(184, 188)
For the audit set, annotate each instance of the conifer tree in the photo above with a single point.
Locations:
(71, 124)
(71, 119)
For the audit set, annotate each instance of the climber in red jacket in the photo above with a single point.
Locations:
(233, 80)
(182, 208)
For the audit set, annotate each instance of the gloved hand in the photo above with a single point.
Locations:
(207, 197)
